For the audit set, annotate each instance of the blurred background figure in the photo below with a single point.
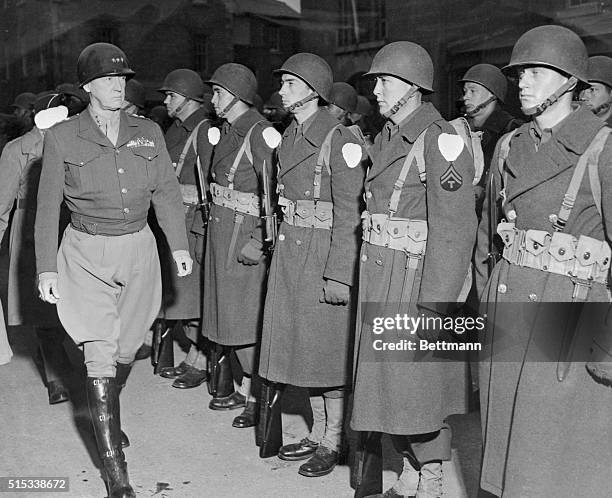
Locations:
(23, 110)
(598, 96)
(73, 97)
(134, 100)
(274, 112)
(343, 102)
(159, 114)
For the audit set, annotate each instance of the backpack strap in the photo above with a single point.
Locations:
(245, 148)
(323, 160)
(189, 143)
(416, 153)
(590, 158)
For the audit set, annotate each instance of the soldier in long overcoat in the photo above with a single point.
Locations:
(419, 231)
(546, 418)
(235, 263)
(308, 318)
(189, 105)
(20, 167)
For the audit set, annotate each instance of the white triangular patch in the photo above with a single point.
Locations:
(272, 137)
(49, 117)
(352, 154)
(450, 146)
(214, 135)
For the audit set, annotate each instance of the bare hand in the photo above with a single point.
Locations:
(335, 293)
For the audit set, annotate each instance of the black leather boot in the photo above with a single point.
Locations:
(366, 471)
(123, 371)
(162, 356)
(269, 430)
(55, 362)
(103, 401)
(221, 383)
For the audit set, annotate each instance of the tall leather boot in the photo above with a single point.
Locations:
(163, 346)
(221, 382)
(269, 430)
(103, 401)
(366, 472)
(55, 362)
(123, 371)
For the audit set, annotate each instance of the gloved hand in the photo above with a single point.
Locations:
(335, 293)
(47, 287)
(183, 261)
(251, 253)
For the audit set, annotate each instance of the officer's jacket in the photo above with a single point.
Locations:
(108, 188)
(176, 136)
(296, 166)
(446, 203)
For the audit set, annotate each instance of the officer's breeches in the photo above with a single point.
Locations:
(110, 293)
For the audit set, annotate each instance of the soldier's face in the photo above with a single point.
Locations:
(388, 91)
(537, 83)
(107, 92)
(221, 98)
(474, 95)
(596, 95)
(173, 102)
(292, 90)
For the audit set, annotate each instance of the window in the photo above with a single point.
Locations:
(200, 54)
(272, 38)
(361, 21)
(106, 34)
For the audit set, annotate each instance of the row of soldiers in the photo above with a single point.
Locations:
(393, 223)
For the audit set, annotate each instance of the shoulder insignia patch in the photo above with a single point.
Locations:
(450, 146)
(271, 137)
(352, 153)
(451, 180)
(214, 135)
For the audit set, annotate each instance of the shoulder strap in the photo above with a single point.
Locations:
(504, 150)
(594, 166)
(190, 141)
(245, 148)
(323, 160)
(416, 153)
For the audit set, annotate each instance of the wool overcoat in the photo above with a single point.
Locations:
(306, 342)
(543, 436)
(234, 292)
(412, 392)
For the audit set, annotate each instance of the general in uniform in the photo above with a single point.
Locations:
(308, 317)
(109, 168)
(419, 231)
(546, 418)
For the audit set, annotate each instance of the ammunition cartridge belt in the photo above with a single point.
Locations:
(243, 202)
(583, 258)
(307, 213)
(399, 234)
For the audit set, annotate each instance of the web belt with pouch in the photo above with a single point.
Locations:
(307, 213)
(242, 202)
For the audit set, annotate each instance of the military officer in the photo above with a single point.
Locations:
(545, 417)
(20, 167)
(419, 231)
(189, 106)
(109, 168)
(235, 262)
(307, 328)
(598, 96)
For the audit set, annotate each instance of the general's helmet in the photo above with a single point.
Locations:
(237, 79)
(344, 96)
(600, 70)
(135, 93)
(185, 82)
(102, 59)
(313, 70)
(404, 60)
(550, 46)
(488, 76)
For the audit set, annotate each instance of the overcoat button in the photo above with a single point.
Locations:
(126, 210)
(395, 231)
(561, 251)
(501, 288)
(533, 297)
(369, 194)
(281, 236)
(553, 218)
(364, 257)
(217, 219)
(307, 192)
(124, 191)
(298, 242)
(512, 215)
(587, 255)
(379, 262)
(120, 171)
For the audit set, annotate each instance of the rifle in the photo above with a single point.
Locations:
(269, 214)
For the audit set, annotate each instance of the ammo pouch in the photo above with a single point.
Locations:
(242, 202)
(189, 193)
(399, 234)
(307, 213)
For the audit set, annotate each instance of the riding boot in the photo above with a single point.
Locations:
(269, 430)
(163, 346)
(123, 371)
(221, 383)
(56, 363)
(366, 472)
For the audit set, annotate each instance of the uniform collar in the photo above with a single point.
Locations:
(31, 142)
(418, 121)
(194, 118)
(245, 121)
(316, 127)
(89, 130)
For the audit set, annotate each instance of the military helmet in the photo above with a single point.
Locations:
(363, 106)
(344, 96)
(600, 70)
(25, 101)
(237, 79)
(185, 82)
(488, 76)
(102, 59)
(274, 102)
(313, 70)
(135, 93)
(550, 46)
(407, 61)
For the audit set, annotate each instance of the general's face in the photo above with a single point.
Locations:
(172, 102)
(388, 91)
(221, 98)
(293, 89)
(108, 92)
(474, 94)
(596, 95)
(537, 83)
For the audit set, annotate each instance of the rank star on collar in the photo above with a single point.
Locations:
(141, 142)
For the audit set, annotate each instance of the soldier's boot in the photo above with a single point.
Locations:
(327, 454)
(162, 357)
(269, 430)
(366, 471)
(431, 482)
(305, 448)
(55, 362)
(103, 402)
(222, 383)
(123, 371)
(248, 417)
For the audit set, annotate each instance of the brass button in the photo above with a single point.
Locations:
(395, 231)
(587, 255)
(281, 236)
(298, 242)
(117, 151)
(368, 194)
(307, 192)
(124, 191)
(82, 163)
(533, 297)
(502, 289)
(512, 215)
(379, 262)
(553, 218)
(561, 251)
(217, 219)
(364, 257)
(120, 171)
(536, 245)
(417, 234)
(126, 210)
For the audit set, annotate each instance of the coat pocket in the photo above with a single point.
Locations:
(80, 167)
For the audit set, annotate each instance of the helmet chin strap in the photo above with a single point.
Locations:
(179, 108)
(401, 102)
(300, 103)
(223, 112)
(540, 108)
(479, 107)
